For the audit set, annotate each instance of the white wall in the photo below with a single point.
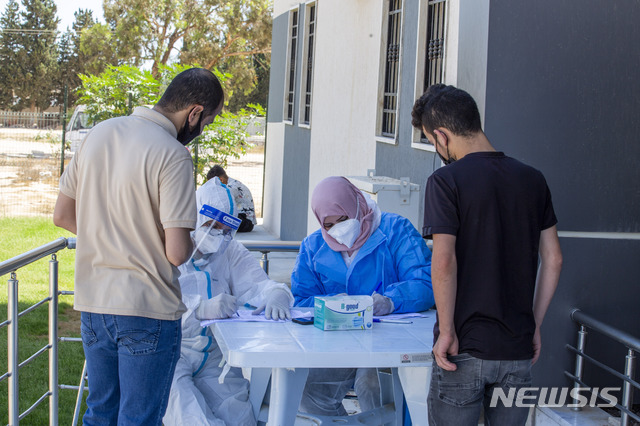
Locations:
(282, 6)
(272, 198)
(467, 48)
(343, 121)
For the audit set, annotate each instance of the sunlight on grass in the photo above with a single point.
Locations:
(20, 235)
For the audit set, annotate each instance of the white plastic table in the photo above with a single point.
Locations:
(286, 351)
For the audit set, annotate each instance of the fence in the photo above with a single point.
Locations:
(13, 266)
(13, 314)
(31, 155)
(30, 152)
(627, 379)
(30, 120)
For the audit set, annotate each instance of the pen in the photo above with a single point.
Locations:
(246, 305)
(390, 321)
(377, 288)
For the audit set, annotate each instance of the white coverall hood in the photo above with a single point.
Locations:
(215, 194)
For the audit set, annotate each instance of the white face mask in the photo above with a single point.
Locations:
(207, 243)
(346, 232)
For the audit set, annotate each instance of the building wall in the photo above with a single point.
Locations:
(340, 139)
(274, 138)
(401, 159)
(465, 66)
(562, 85)
(557, 88)
(344, 91)
(287, 153)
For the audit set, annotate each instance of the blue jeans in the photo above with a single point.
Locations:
(130, 365)
(456, 397)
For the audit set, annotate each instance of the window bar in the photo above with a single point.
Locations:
(292, 65)
(434, 57)
(307, 103)
(391, 70)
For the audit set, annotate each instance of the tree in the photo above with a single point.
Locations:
(232, 37)
(223, 34)
(260, 92)
(65, 73)
(118, 89)
(113, 92)
(92, 46)
(9, 46)
(226, 137)
(37, 54)
(97, 49)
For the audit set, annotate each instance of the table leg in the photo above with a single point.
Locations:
(397, 396)
(415, 385)
(258, 388)
(286, 391)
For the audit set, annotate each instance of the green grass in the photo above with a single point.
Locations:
(18, 236)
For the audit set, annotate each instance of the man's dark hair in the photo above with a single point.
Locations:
(448, 107)
(193, 86)
(216, 170)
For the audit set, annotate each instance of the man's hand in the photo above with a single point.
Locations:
(446, 345)
(537, 345)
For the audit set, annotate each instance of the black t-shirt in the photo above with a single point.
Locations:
(496, 207)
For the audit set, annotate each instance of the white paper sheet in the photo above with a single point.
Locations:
(245, 315)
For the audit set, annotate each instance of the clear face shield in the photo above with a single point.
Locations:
(217, 231)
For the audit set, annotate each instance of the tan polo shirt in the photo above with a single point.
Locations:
(131, 179)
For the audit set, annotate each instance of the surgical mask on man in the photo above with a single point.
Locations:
(210, 241)
(446, 161)
(186, 135)
(347, 231)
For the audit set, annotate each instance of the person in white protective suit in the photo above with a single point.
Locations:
(221, 275)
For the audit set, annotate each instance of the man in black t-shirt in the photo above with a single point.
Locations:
(495, 267)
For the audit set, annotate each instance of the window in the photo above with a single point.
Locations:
(291, 71)
(434, 57)
(307, 71)
(391, 65)
(431, 53)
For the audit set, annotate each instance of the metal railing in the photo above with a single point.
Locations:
(13, 365)
(632, 344)
(266, 247)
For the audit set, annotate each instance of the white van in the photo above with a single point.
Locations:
(78, 127)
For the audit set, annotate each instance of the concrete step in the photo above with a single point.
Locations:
(564, 416)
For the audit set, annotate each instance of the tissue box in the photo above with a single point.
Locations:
(343, 312)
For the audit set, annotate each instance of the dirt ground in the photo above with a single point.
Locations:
(30, 170)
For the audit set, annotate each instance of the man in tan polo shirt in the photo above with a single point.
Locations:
(128, 194)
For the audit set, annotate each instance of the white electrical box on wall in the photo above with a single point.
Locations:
(398, 196)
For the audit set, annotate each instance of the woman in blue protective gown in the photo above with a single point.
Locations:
(358, 250)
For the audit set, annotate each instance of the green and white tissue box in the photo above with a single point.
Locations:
(343, 312)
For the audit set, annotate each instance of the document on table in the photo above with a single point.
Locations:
(245, 315)
(401, 316)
